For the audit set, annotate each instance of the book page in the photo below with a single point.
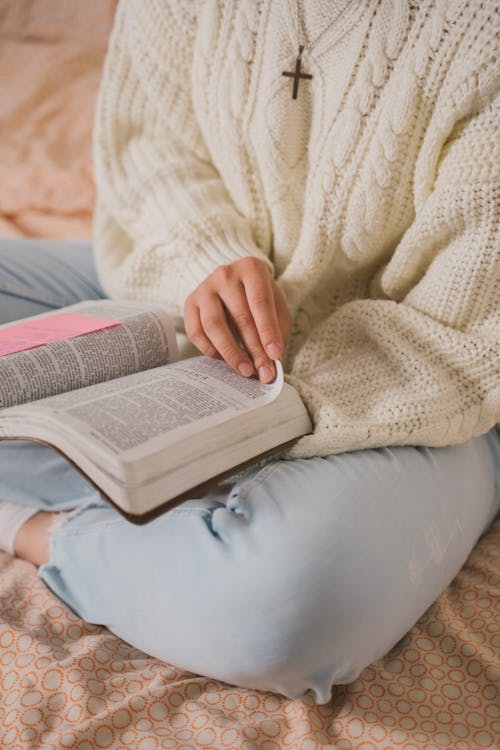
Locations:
(144, 340)
(127, 414)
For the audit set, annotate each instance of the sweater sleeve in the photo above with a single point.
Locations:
(164, 219)
(420, 364)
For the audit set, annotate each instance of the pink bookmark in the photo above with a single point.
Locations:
(27, 335)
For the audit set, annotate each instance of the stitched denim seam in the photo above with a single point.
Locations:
(256, 480)
(65, 527)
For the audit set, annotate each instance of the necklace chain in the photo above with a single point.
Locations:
(297, 74)
(310, 44)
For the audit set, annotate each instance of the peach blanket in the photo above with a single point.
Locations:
(51, 54)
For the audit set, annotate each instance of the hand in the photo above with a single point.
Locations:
(240, 314)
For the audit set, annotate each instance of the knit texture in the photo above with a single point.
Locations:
(373, 196)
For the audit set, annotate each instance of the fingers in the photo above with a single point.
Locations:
(238, 309)
(284, 317)
(216, 327)
(194, 329)
(207, 327)
(240, 300)
(262, 305)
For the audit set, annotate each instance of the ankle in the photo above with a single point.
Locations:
(12, 517)
(32, 541)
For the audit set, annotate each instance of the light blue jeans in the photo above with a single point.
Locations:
(293, 577)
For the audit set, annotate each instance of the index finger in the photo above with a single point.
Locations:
(262, 303)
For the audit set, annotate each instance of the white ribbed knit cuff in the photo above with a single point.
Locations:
(220, 250)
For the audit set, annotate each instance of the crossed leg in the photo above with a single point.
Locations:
(293, 578)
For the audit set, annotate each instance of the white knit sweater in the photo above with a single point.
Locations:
(373, 195)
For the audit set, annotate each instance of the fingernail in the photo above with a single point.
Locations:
(273, 350)
(265, 373)
(245, 369)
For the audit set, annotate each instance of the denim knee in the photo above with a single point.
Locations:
(328, 554)
(287, 606)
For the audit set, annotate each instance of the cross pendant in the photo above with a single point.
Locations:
(297, 75)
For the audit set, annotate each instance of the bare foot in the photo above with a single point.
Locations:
(32, 541)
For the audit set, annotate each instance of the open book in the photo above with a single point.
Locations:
(148, 431)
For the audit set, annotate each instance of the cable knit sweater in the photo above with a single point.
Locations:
(373, 196)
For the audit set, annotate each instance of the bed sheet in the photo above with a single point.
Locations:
(67, 684)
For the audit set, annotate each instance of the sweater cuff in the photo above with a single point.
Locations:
(199, 255)
(221, 250)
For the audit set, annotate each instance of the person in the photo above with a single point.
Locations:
(313, 182)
